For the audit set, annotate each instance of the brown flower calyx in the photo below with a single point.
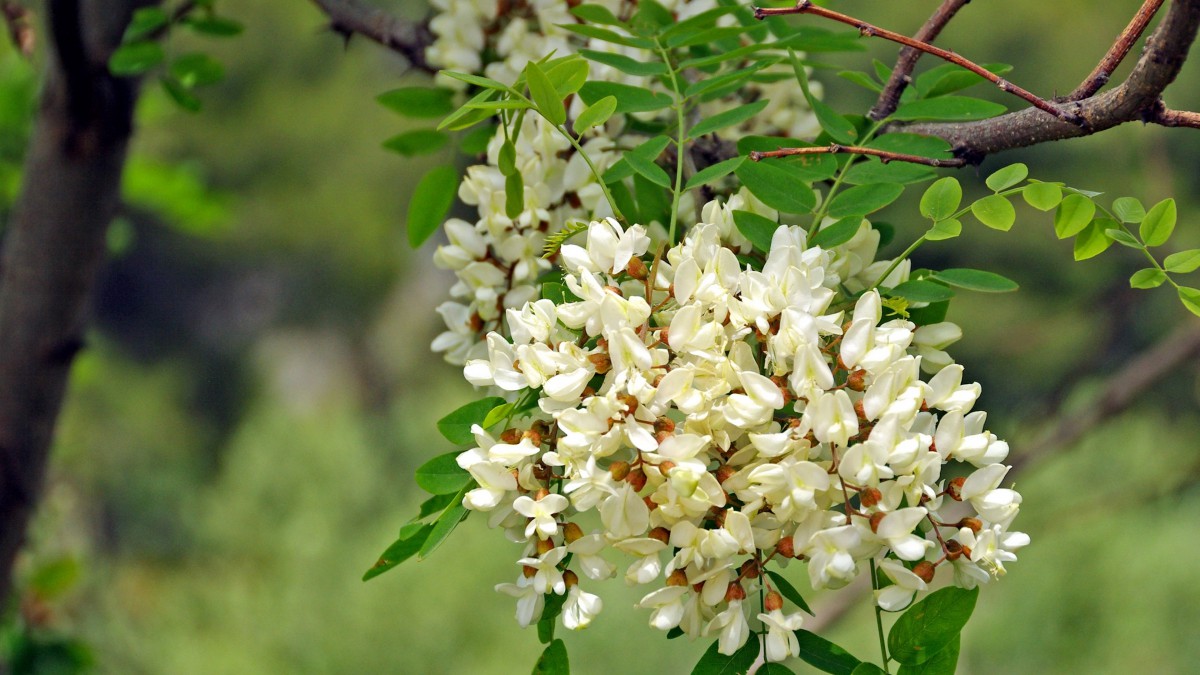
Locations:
(636, 479)
(924, 570)
(954, 550)
(660, 534)
(528, 572)
(973, 524)
(511, 436)
(857, 380)
(637, 269)
(724, 473)
(541, 494)
(601, 362)
(544, 546)
(954, 488)
(875, 519)
(649, 502)
(735, 592)
(570, 578)
(572, 532)
(748, 570)
(773, 601)
(618, 470)
(870, 497)
(630, 401)
(665, 466)
(786, 547)
(677, 578)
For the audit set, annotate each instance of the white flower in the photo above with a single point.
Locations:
(667, 603)
(541, 514)
(580, 608)
(781, 643)
(530, 601)
(547, 577)
(904, 586)
(624, 514)
(733, 628)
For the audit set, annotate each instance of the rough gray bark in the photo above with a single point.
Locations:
(55, 243)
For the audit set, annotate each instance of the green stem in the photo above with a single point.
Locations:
(680, 139)
(1145, 251)
(901, 258)
(879, 619)
(840, 178)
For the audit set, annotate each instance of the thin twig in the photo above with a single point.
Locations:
(869, 30)
(407, 38)
(1176, 118)
(901, 77)
(1117, 53)
(884, 156)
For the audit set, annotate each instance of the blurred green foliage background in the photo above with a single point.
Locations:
(238, 442)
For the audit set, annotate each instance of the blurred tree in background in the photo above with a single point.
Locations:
(239, 433)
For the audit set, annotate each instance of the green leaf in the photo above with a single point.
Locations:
(606, 35)
(477, 80)
(996, 212)
(596, 14)
(445, 524)
(836, 234)
(514, 195)
(825, 655)
(868, 668)
(596, 114)
(550, 611)
(1150, 277)
(52, 579)
(759, 230)
(1190, 297)
(456, 427)
(145, 22)
(630, 99)
(727, 118)
(733, 78)
(654, 203)
(1092, 241)
(919, 290)
(977, 280)
(944, 229)
(467, 116)
(737, 663)
(861, 79)
(1129, 210)
(709, 174)
(568, 76)
(805, 167)
(949, 78)
(838, 128)
(420, 102)
(1159, 223)
(941, 199)
(949, 108)
(863, 199)
(214, 26)
(789, 591)
(442, 475)
(934, 312)
(1123, 238)
(945, 662)
(429, 507)
(506, 158)
(695, 24)
(626, 64)
(1007, 177)
(931, 624)
(430, 203)
(544, 95)
(135, 58)
(400, 550)
(196, 70)
(418, 142)
(642, 160)
(1073, 214)
(180, 94)
(777, 187)
(774, 669)
(1183, 262)
(887, 232)
(1042, 196)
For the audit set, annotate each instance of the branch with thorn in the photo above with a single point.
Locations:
(407, 38)
(901, 77)
(884, 156)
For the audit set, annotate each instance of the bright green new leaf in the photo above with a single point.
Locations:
(553, 660)
(642, 160)
(838, 127)
(1183, 262)
(197, 70)
(442, 475)
(1159, 223)
(949, 108)
(727, 118)
(596, 14)
(863, 199)
(941, 199)
(1190, 297)
(788, 591)
(1129, 209)
(1007, 177)
(477, 80)
(135, 58)
(1093, 241)
(626, 64)
(629, 98)
(514, 195)
(777, 187)
(431, 202)
(737, 663)
(214, 26)
(506, 159)
(825, 655)
(718, 170)
(861, 79)
(145, 22)
(931, 624)
(596, 114)
(502, 411)
(544, 95)
(468, 116)
(945, 662)
(181, 95)
(1042, 196)
(733, 78)
(568, 76)
(1123, 238)
(402, 549)
(759, 230)
(429, 507)
(944, 229)
(919, 290)
(837, 233)
(1150, 277)
(454, 514)
(977, 280)
(418, 142)
(996, 212)
(1073, 214)
(456, 427)
(606, 35)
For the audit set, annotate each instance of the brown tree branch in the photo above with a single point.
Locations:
(1117, 53)
(901, 75)
(869, 30)
(1175, 118)
(1136, 99)
(407, 38)
(884, 156)
(55, 243)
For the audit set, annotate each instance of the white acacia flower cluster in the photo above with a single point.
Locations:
(719, 417)
(496, 258)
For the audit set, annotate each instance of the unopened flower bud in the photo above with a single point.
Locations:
(664, 424)
(572, 532)
(735, 592)
(773, 601)
(618, 470)
(954, 550)
(786, 547)
(870, 497)
(857, 380)
(877, 518)
(570, 578)
(748, 570)
(925, 570)
(637, 479)
(601, 362)
(974, 524)
(660, 534)
(954, 488)
(677, 578)
(637, 269)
